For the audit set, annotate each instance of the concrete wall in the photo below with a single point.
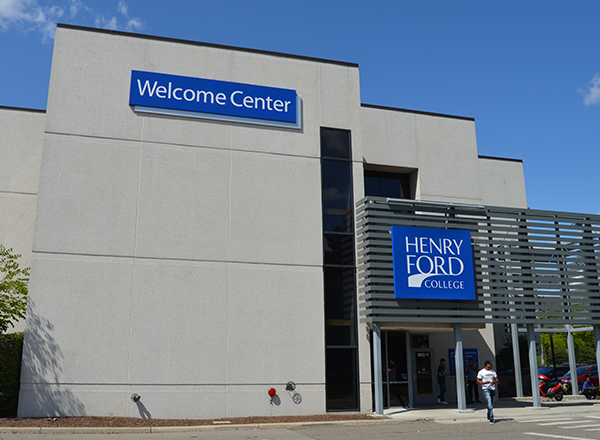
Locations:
(181, 259)
(175, 258)
(443, 152)
(21, 148)
(21, 151)
(502, 182)
(442, 149)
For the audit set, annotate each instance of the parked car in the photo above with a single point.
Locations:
(582, 373)
(561, 370)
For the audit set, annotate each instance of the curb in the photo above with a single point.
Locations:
(197, 428)
(456, 415)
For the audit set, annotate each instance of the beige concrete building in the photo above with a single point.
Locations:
(198, 261)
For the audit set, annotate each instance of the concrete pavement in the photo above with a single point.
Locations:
(504, 409)
(509, 408)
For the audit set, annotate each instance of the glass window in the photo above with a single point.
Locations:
(383, 184)
(335, 143)
(340, 306)
(338, 249)
(420, 341)
(336, 181)
(341, 377)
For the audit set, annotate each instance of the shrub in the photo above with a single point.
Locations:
(11, 348)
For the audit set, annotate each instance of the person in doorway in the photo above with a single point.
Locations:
(488, 379)
(589, 390)
(471, 371)
(441, 379)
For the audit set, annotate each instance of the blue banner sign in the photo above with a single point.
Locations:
(197, 97)
(468, 353)
(432, 263)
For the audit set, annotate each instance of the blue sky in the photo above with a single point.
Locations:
(528, 71)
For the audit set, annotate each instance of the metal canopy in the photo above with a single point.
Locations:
(531, 266)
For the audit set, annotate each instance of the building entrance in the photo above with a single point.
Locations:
(424, 374)
(395, 369)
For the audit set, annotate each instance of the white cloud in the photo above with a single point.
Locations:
(135, 24)
(75, 7)
(106, 23)
(28, 15)
(123, 8)
(591, 94)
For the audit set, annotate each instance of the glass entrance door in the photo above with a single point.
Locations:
(395, 377)
(423, 377)
(394, 369)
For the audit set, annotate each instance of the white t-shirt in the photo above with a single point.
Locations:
(487, 376)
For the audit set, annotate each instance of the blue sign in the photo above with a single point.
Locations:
(432, 263)
(199, 97)
(468, 353)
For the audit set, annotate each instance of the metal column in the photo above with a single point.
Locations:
(514, 332)
(459, 364)
(597, 340)
(533, 367)
(572, 361)
(377, 367)
(410, 371)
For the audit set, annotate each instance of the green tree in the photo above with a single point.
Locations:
(585, 347)
(13, 289)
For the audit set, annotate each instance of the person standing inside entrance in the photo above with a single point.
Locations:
(441, 379)
(471, 371)
(488, 379)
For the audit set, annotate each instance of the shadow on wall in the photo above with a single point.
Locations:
(144, 413)
(41, 393)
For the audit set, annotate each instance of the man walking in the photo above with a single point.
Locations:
(471, 371)
(441, 379)
(488, 379)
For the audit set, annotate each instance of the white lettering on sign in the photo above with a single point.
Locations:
(430, 257)
(259, 102)
(237, 98)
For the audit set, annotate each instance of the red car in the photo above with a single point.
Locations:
(582, 373)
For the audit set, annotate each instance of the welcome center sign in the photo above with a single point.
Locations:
(153, 92)
(432, 263)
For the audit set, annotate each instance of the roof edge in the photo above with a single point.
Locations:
(507, 159)
(199, 43)
(34, 110)
(418, 112)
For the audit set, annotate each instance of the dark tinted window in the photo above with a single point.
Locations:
(336, 181)
(338, 249)
(341, 362)
(340, 306)
(335, 143)
(340, 376)
(393, 185)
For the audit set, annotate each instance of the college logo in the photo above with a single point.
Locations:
(432, 263)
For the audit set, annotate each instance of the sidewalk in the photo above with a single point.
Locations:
(504, 409)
